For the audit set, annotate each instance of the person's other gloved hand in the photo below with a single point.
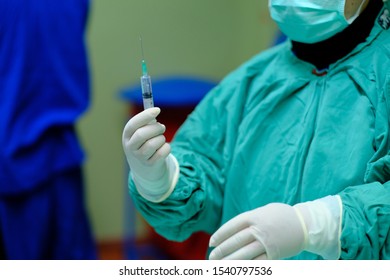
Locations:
(277, 231)
(153, 169)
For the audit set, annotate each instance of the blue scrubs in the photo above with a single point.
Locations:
(44, 88)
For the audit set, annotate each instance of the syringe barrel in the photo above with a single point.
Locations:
(147, 95)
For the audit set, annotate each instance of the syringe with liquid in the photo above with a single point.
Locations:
(146, 84)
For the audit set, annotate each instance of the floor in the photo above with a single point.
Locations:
(111, 250)
(155, 247)
(119, 250)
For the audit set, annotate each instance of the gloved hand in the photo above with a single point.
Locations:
(277, 231)
(153, 169)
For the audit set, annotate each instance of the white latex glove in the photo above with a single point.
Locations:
(270, 232)
(277, 231)
(153, 168)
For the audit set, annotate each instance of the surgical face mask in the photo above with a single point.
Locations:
(310, 21)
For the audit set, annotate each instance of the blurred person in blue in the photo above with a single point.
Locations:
(44, 88)
(288, 157)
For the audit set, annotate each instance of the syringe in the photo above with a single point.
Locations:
(146, 83)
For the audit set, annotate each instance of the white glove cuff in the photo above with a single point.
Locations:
(158, 191)
(322, 219)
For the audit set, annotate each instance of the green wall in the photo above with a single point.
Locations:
(196, 37)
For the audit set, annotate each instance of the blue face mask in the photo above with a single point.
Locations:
(310, 21)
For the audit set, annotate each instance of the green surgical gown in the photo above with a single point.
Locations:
(272, 131)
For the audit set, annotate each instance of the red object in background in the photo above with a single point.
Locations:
(194, 248)
(177, 98)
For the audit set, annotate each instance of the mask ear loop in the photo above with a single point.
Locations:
(351, 19)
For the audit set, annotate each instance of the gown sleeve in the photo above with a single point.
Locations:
(366, 208)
